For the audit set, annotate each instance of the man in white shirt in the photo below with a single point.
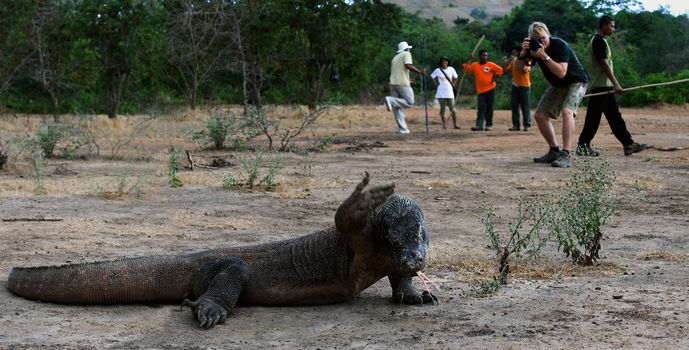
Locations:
(401, 93)
(444, 78)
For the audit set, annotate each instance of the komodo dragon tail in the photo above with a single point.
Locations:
(130, 280)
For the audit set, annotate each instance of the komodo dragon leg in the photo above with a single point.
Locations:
(403, 292)
(351, 215)
(219, 285)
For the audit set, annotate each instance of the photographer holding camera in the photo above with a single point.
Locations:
(567, 78)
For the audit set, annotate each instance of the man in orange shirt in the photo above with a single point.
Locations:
(484, 71)
(521, 91)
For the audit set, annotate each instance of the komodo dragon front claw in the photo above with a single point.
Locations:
(206, 311)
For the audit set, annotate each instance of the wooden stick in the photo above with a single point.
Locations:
(31, 219)
(461, 81)
(191, 162)
(639, 87)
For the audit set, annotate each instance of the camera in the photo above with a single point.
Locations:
(535, 43)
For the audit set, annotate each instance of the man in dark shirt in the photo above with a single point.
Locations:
(567, 78)
(603, 80)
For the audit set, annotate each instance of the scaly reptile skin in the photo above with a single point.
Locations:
(376, 234)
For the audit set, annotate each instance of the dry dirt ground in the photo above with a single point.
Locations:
(635, 298)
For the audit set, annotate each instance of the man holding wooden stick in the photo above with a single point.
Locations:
(603, 79)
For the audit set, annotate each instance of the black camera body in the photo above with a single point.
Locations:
(535, 43)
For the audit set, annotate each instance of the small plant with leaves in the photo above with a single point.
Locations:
(47, 137)
(584, 206)
(173, 166)
(37, 163)
(251, 167)
(527, 234)
(218, 128)
(273, 169)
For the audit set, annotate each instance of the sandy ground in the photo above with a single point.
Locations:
(635, 298)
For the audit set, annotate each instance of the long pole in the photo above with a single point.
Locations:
(639, 87)
(461, 81)
(424, 82)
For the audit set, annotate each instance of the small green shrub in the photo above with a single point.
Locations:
(585, 204)
(173, 166)
(218, 128)
(251, 167)
(47, 137)
(37, 162)
(527, 234)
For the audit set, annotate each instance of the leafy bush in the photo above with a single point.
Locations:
(584, 206)
(173, 166)
(47, 137)
(218, 128)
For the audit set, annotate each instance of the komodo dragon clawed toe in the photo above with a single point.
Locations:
(376, 234)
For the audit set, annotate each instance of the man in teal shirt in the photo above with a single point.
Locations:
(603, 80)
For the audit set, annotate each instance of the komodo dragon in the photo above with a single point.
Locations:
(376, 234)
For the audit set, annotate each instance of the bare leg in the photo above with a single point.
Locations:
(568, 127)
(546, 128)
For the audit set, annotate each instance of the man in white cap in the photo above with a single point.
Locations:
(401, 93)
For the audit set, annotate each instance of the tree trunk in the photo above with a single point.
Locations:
(115, 87)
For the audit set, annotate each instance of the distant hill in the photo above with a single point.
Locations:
(449, 10)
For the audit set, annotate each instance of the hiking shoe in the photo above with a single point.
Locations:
(514, 128)
(388, 104)
(476, 128)
(635, 148)
(587, 151)
(549, 157)
(564, 160)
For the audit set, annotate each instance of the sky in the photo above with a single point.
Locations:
(677, 7)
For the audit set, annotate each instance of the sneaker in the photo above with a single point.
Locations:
(526, 128)
(635, 148)
(488, 128)
(388, 104)
(587, 151)
(405, 131)
(549, 157)
(564, 160)
(476, 128)
(514, 128)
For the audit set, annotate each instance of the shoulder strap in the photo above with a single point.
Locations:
(446, 77)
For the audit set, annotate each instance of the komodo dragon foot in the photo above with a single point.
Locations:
(207, 312)
(404, 293)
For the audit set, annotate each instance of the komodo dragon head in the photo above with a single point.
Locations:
(400, 233)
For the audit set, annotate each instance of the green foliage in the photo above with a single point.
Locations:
(526, 234)
(251, 167)
(584, 205)
(174, 165)
(38, 164)
(47, 137)
(486, 288)
(128, 56)
(218, 128)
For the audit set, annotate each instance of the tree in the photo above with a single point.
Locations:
(564, 19)
(15, 49)
(198, 42)
(118, 31)
(45, 37)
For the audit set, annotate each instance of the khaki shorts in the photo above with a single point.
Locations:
(555, 99)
